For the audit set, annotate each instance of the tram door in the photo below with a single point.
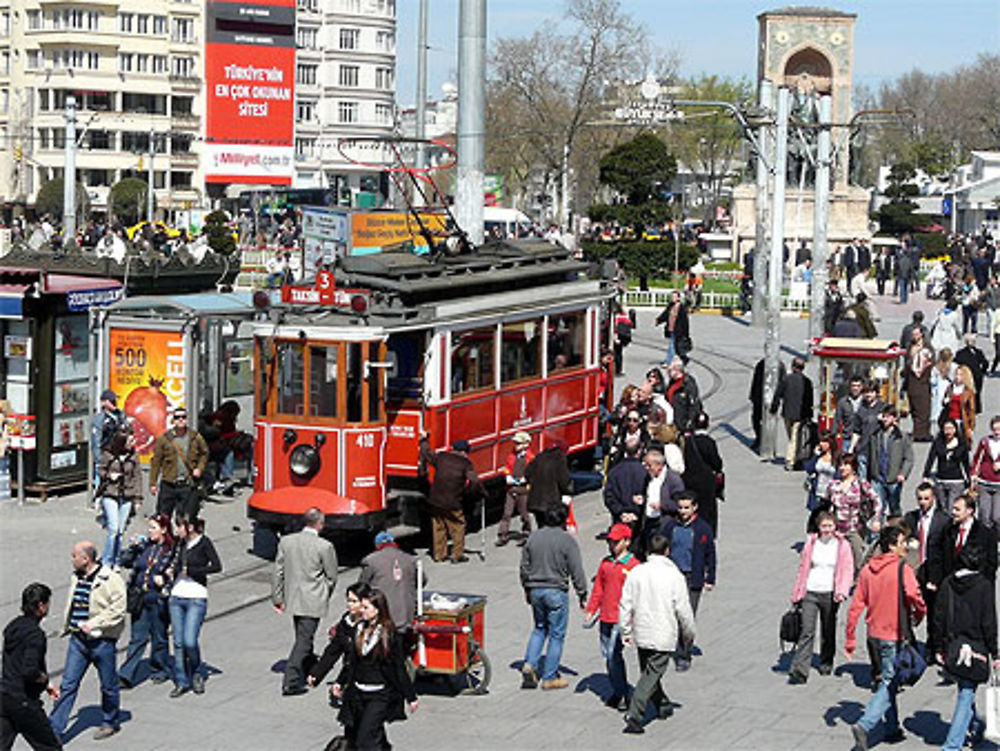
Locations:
(321, 424)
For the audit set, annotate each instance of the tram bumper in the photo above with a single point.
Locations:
(283, 509)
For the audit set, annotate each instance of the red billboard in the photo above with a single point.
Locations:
(250, 91)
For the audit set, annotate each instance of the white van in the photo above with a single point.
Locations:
(505, 223)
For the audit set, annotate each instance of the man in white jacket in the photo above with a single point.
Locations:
(653, 608)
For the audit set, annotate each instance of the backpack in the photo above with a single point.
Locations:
(110, 425)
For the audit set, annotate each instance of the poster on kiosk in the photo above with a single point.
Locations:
(250, 91)
(149, 370)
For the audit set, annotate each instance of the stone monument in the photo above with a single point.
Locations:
(809, 50)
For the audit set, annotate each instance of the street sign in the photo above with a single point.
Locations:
(648, 113)
(946, 204)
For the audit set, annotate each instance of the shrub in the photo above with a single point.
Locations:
(644, 258)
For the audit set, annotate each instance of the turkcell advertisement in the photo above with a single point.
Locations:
(250, 91)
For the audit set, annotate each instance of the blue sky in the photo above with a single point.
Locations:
(719, 36)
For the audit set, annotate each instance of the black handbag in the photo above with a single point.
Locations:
(133, 598)
(790, 628)
(972, 666)
(910, 662)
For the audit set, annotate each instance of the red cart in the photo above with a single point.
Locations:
(451, 631)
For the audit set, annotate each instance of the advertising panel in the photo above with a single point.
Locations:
(148, 371)
(250, 91)
(373, 231)
(324, 237)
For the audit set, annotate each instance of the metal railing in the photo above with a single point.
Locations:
(658, 298)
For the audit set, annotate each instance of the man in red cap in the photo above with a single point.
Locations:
(604, 600)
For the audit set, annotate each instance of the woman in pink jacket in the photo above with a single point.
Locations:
(826, 572)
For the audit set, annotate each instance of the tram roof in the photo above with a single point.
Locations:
(193, 304)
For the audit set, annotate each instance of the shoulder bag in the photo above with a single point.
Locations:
(910, 663)
(790, 628)
(965, 659)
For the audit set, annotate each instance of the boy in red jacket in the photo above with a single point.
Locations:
(604, 599)
(517, 488)
(878, 591)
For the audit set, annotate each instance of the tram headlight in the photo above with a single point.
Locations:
(304, 461)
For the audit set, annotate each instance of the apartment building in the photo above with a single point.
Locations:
(345, 83)
(135, 68)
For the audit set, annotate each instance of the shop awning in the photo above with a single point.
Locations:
(84, 292)
(11, 298)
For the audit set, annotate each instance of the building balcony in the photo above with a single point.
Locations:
(191, 41)
(185, 120)
(185, 82)
(183, 159)
(81, 38)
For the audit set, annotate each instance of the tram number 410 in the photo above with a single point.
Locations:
(130, 357)
(365, 440)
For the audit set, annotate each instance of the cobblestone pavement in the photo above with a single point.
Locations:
(735, 696)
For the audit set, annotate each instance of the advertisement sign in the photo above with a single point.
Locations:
(17, 347)
(148, 371)
(21, 432)
(250, 91)
(371, 232)
(324, 237)
(84, 299)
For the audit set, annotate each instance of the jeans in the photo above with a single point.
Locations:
(883, 703)
(671, 349)
(890, 493)
(550, 611)
(947, 491)
(611, 648)
(116, 514)
(150, 626)
(904, 289)
(683, 654)
(862, 455)
(965, 712)
(83, 652)
(227, 467)
(816, 605)
(186, 616)
(969, 319)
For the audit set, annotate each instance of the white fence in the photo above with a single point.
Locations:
(658, 298)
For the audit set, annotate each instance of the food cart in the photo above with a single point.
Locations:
(451, 630)
(840, 359)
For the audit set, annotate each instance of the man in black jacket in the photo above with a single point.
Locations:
(927, 525)
(795, 396)
(866, 424)
(973, 357)
(676, 329)
(966, 530)
(549, 486)
(25, 675)
(624, 491)
(756, 398)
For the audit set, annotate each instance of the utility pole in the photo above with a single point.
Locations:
(471, 117)
(149, 188)
(772, 333)
(421, 124)
(821, 217)
(564, 189)
(69, 174)
(760, 239)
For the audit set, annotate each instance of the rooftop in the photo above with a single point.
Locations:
(807, 11)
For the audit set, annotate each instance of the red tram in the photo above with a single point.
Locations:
(475, 347)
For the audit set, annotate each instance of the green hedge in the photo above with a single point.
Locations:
(932, 244)
(638, 258)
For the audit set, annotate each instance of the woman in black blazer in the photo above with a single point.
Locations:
(374, 683)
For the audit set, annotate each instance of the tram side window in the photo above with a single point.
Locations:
(521, 350)
(472, 359)
(405, 378)
(323, 381)
(354, 380)
(374, 384)
(566, 343)
(291, 378)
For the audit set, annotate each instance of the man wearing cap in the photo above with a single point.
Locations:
(517, 488)
(604, 601)
(454, 476)
(179, 458)
(393, 572)
(106, 422)
(305, 572)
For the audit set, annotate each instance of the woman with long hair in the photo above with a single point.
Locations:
(193, 560)
(149, 558)
(856, 507)
(821, 470)
(941, 375)
(950, 454)
(374, 683)
(960, 402)
(120, 491)
(986, 474)
(919, 363)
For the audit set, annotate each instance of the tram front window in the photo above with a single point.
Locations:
(323, 381)
(291, 378)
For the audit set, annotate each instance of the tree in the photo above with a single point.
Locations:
(638, 168)
(50, 200)
(898, 215)
(127, 200)
(219, 233)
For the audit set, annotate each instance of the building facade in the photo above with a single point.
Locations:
(135, 68)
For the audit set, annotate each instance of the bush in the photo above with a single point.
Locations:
(50, 201)
(220, 236)
(647, 259)
(932, 244)
(127, 200)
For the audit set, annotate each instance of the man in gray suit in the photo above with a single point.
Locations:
(305, 573)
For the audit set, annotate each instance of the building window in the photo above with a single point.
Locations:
(5, 23)
(306, 38)
(305, 148)
(126, 62)
(385, 41)
(349, 75)
(181, 180)
(4, 100)
(34, 19)
(180, 143)
(159, 63)
(383, 113)
(349, 39)
(350, 6)
(383, 78)
(347, 112)
(182, 105)
(182, 30)
(305, 112)
(99, 177)
(142, 24)
(33, 59)
(100, 139)
(308, 5)
(75, 59)
(160, 25)
(182, 67)
(126, 22)
(305, 74)
(5, 63)
(142, 63)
